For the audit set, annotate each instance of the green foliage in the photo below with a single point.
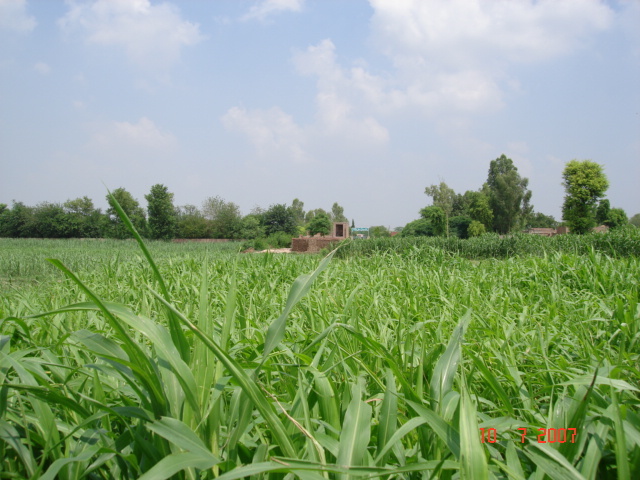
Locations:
(17, 222)
(617, 218)
(162, 218)
(379, 370)
(116, 228)
(252, 227)
(479, 208)
(476, 229)
(585, 183)
(436, 218)
(443, 198)
(84, 220)
(459, 226)
(297, 207)
(418, 228)
(379, 231)
(279, 218)
(337, 213)
(540, 220)
(320, 223)
(190, 223)
(602, 212)
(508, 194)
(279, 240)
(224, 217)
(635, 220)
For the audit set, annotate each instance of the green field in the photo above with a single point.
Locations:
(218, 365)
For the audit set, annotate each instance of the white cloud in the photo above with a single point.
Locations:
(42, 68)
(266, 8)
(143, 135)
(272, 132)
(152, 35)
(13, 16)
(455, 55)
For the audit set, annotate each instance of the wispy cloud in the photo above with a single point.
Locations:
(152, 35)
(14, 16)
(266, 8)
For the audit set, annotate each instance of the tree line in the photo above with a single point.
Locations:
(161, 220)
(503, 204)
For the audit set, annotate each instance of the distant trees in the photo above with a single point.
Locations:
(116, 228)
(508, 194)
(635, 220)
(617, 218)
(443, 198)
(321, 223)
(225, 217)
(540, 220)
(379, 231)
(279, 218)
(437, 219)
(162, 215)
(84, 220)
(190, 223)
(584, 183)
(337, 213)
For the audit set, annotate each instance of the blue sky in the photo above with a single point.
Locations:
(364, 103)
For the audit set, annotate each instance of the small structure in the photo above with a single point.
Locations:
(339, 231)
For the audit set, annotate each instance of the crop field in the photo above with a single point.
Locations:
(381, 360)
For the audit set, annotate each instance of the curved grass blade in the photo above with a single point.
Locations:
(356, 430)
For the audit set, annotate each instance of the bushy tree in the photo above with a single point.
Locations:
(17, 222)
(617, 218)
(190, 223)
(476, 229)
(252, 227)
(443, 198)
(585, 183)
(319, 224)
(540, 220)
(132, 208)
(635, 220)
(279, 218)
(479, 208)
(459, 226)
(84, 220)
(379, 231)
(225, 217)
(337, 213)
(50, 221)
(508, 194)
(297, 207)
(437, 218)
(162, 216)
(418, 228)
(602, 212)
(312, 213)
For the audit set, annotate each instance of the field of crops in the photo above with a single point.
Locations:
(389, 362)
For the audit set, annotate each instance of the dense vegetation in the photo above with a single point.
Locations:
(218, 365)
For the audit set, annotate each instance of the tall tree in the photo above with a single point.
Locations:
(162, 213)
(443, 198)
(617, 218)
(132, 208)
(437, 218)
(508, 194)
(280, 218)
(337, 213)
(225, 217)
(297, 207)
(584, 183)
(321, 224)
(602, 212)
(478, 207)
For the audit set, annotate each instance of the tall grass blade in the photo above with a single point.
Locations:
(356, 430)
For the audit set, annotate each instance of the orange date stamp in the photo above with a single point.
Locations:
(544, 435)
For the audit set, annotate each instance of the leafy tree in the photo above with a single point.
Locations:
(584, 183)
(17, 222)
(84, 220)
(635, 220)
(320, 224)
(459, 225)
(132, 208)
(418, 228)
(379, 231)
(617, 218)
(479, 207)
(190, 223)
(443, 197)
(602, 212)
(162, 217)
(225, 217)
(508, 194)
(476, 229)
(297, 207)
(50, 221)
(279, 218)
(436, 217)
(337, 213)
(540, 220)
(353, 223)
(312, 213)
(252, 227)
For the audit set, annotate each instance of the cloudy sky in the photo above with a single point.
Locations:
(364, 103)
